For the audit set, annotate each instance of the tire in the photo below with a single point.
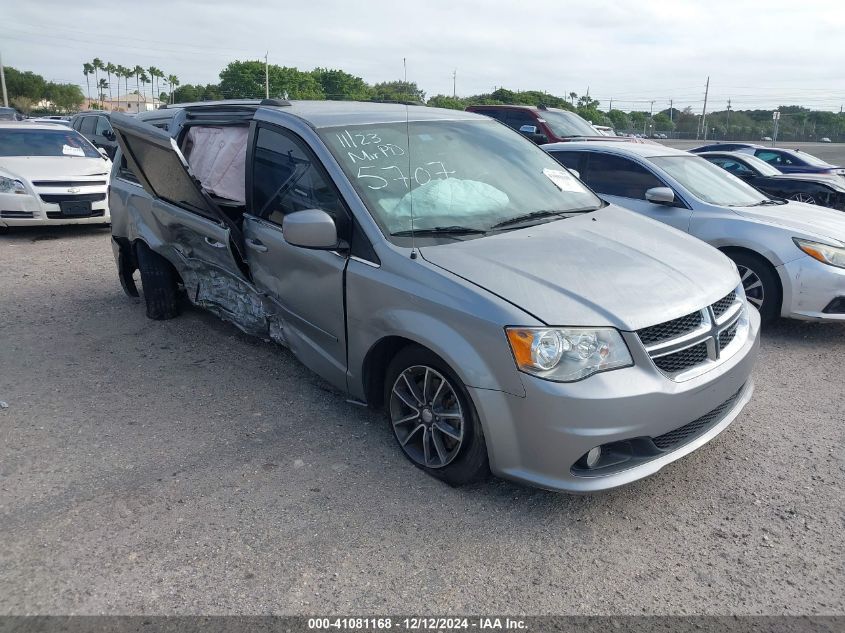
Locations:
(455, 461)
(159, 282)
(762, 286)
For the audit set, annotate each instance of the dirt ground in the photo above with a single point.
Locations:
(180, 467)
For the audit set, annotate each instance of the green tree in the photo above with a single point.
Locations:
(443, 101)
(339, 85)
(97, 63)
(619, 120)
(110, 68)
(173, 80)
(88, 70)
(102, 86)
(64, 97)
(398, 91)
(662, 123)
(245, 80)
(24, 84)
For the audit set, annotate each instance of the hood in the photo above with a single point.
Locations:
(830, 180)
(53, 167)
(804, 220)
(611, 267)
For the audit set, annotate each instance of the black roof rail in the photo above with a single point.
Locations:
(274, 102)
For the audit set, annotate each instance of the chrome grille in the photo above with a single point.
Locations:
(723, 304)
(68, 183)
(670, 329)
(673, 439)
(679, 361)
(679, 346)
(56, 198)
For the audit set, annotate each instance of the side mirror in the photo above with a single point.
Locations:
(311, 228)
(103, 153)
(660, 195)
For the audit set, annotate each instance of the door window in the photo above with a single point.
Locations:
(517, 118)
(570, 160)
(618, 176)
(103, 126)
(773, 158)
(287, 177)
(734, 166)
(88, 125)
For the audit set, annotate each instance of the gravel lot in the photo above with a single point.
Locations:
(180, 467)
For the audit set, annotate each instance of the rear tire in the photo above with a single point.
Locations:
(159, 282)
(438, 412)
(761, 283)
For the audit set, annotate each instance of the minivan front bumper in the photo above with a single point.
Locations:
(540, 438)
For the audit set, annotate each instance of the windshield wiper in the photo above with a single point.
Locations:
(440, 230)
(536, 215)
(768, 202)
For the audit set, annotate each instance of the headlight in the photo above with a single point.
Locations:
(10, 185)
(833, 255)
(567, 354)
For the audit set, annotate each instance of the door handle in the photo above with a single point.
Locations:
(256, 245)
(214, 243)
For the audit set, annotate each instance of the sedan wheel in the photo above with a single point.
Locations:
(427, 416)
(755, 292)
(806, 198)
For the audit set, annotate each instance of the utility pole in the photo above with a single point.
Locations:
(728, 124)
(266, 76)
(454, 83)
(3, 83)
(671, 111)
(650, 119)
(405, 67)
(610, 107)
(704, 110)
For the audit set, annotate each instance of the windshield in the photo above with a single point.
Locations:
(709, 183)
(468, 174)
(565, 123)
(762, 166)
(45, 143)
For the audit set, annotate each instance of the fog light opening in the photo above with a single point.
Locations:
(593, 457)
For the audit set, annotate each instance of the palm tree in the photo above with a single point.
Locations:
(173, 80)
(122, 71)
(153, 74)
(102, 85)
(110, 68)
(98, 66)
(138, 71)
(88, 69)
(144, 81)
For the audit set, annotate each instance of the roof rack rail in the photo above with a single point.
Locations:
(275, 102)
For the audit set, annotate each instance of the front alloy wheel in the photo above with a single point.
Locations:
(427, 416)
(806, 198)
(755, 292)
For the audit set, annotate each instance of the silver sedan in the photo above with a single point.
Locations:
(790, 255)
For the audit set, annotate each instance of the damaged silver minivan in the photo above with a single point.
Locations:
(437, 264)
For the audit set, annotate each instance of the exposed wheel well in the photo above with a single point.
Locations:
(727, 250)
(375, 366)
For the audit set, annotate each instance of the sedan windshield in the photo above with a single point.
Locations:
(709, 183)
(566, 124)
(459, 177)
(34, 142)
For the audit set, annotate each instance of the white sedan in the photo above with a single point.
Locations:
(49, 175)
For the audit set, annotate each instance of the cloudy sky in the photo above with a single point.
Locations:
(758, 53)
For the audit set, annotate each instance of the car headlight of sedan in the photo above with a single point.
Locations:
(567, 354)
(10, 185)
(832, 255)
